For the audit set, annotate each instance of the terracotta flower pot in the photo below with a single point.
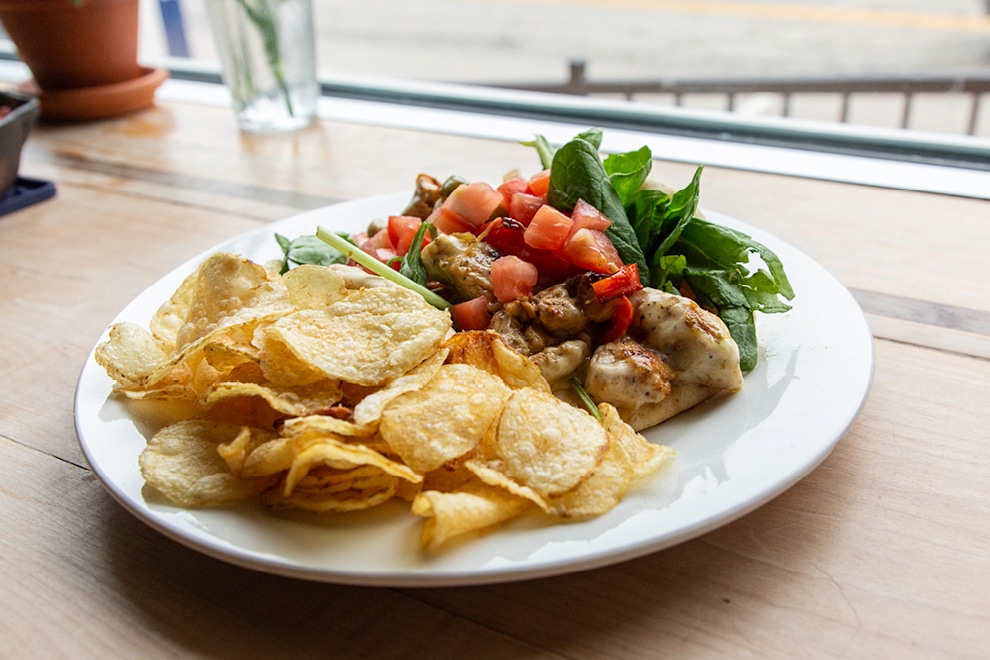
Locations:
(72, 47)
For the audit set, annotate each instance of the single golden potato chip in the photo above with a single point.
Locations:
(182, 462)
(491, 474)
(140, 365)
(227, 350)
(290, 401)
(445, 419)
(224, 292)
(644, 456)
(546, 444)
(131, 355)
(487, 350)
(279, 364)
(316, 426)
(474, 507)
(270, 458)
(369, 410)
(342, 457)
(369, 337)
(314, 287)
(629, 457)
(236, 451)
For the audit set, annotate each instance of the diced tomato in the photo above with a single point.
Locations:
(471, 314)
(622, 282)
(380, 240)
(387, 256)
(401, 230)
(539, 183)
(448, 222)
(513, 278)
(506, 236)
(622, 317)
(586, 215)
(511, 186)
(591, 249)
(548, 229)
(523, 206)
(476, 202)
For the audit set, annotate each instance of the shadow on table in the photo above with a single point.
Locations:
(208, 607)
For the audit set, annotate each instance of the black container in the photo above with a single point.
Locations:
(14, 129)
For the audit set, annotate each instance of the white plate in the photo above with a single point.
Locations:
(815, 371)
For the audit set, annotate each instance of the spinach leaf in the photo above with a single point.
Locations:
(577, 173)
(412, 265)
(543, 148)
(666, 271)
(628, 171)
(683, 205)
(308, 249)
(547, 151)
(646, 214)
(707, 243)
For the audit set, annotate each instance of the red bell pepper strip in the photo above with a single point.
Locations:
(622, 318)
(621, 283)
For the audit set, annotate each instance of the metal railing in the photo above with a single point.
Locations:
(975, 85)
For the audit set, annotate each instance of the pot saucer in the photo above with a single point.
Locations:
(99, 102)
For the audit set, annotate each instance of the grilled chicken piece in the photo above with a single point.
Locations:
(685, 357)
(559, 312)
(558, 363)
(424, 198)
(628, 375)
(462, 262)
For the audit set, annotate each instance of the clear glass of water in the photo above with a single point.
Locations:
(268, 58)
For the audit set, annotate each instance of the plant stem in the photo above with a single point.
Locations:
(352, 251)
(265, 19)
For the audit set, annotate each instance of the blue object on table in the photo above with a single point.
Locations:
(25, 192)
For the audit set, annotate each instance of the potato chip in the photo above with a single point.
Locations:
(326, 474)
(280, 365)
(546, 444)
(270, 458)
(491, 474)
(445, 419)
(311, 426)
(182, 462)
(235, 452)
(475, 507)
(314, 287)
(225, 291)
(644, 456)
(369, 337)
(343, 457)
(140, 364)
(356, 492)
(228, 350)
(629, 457)
(359, 278)
(291, 401)
(369, 410)
(487, 350)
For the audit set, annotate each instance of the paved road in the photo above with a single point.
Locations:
(527, 41)
(506, 40)
(533, 40)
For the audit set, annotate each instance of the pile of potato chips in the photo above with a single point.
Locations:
(328, 389)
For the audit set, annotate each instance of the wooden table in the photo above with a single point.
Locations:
(880, 552)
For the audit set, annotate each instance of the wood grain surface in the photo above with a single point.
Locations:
(880, 552)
